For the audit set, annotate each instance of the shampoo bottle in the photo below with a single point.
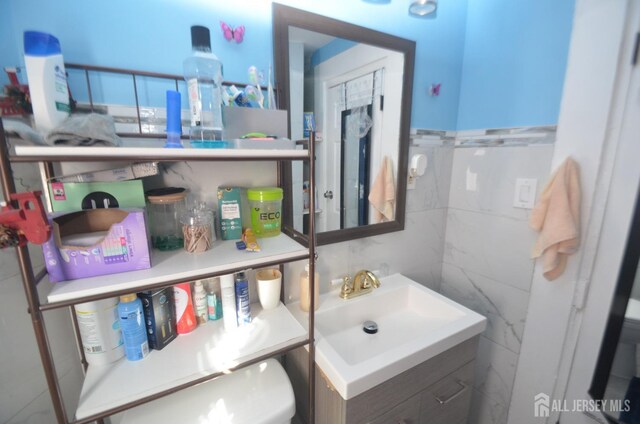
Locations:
(134, 330)
(47, 79)
(200, 301)
(228, 302)
(185, 317)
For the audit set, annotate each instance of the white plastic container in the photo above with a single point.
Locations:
(227, 286)
(100, 331)
(47, 79)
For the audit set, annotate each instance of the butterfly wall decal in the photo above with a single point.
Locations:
(231, 34)
(434, 90)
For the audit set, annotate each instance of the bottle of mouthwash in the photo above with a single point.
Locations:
(203, 74)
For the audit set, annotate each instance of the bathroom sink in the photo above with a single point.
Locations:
(414, 324)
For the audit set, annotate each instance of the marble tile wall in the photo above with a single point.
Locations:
(486, 265)
(416, 252)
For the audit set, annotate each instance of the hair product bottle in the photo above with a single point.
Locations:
(47, 79)
(200, 301)
(243, 305)
(185, 317)
(228, 302)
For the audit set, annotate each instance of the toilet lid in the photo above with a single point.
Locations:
(259, 394)
(633, 310)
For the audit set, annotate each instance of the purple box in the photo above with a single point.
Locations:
(96, 242)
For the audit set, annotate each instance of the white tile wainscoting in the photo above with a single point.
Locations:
(486, 261)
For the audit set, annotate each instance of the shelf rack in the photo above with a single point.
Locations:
(166, 270)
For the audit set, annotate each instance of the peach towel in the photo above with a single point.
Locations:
(557, 218)
(382, 195)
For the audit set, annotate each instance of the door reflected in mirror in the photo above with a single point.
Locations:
(355, 93)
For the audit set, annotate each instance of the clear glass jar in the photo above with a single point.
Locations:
(164, 207)
(197, 228)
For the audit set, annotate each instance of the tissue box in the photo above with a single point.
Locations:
(159, 316)
(96, 242)
(68, 197)
(128, 172)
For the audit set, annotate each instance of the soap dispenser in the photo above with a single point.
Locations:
(305, 300)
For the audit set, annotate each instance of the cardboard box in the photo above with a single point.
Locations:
(115, 241)
(125, 173)
(159, 316)
(68, 197)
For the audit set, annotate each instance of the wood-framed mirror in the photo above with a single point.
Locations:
(353, 86)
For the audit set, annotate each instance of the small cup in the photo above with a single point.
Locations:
(269, 287)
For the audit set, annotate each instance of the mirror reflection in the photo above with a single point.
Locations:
(350, 93)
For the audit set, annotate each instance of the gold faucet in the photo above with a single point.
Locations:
(363, 282)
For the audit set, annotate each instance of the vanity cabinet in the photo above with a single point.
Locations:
(437, 391)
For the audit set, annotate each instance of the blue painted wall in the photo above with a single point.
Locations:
(501, 62)
(154, 35)
(515, 58)
(331, 49)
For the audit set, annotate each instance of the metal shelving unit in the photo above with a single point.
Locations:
(277, 251)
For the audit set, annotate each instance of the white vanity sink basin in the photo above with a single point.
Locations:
(414, 325)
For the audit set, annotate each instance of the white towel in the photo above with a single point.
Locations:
(382, 195)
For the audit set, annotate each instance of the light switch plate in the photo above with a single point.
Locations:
(525, 195)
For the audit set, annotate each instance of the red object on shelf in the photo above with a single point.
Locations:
(29, 219)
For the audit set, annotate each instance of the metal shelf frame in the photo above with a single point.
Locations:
(35, 308)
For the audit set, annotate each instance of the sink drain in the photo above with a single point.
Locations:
(370, 327)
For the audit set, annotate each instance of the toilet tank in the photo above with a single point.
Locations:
(258, 394)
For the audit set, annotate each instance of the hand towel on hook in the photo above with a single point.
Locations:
(382, 195)
(557, 218)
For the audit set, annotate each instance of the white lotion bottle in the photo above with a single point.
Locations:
(200, 302)
(47, 80)
(227, 286)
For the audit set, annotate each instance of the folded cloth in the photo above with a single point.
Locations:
(22, 131)
(85, 130)
(557, 218)
(382, 195)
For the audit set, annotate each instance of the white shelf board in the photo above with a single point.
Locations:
(306, 211)
(180, 265)
(207, 350)
(140, 149)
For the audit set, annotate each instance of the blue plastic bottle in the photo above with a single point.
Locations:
(174, 123)
(243, 307)
(134, 331)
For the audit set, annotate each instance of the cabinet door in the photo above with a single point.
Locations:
(448, 400)
(408, 412)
